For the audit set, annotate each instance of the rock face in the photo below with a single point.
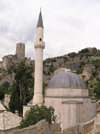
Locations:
(41, 127)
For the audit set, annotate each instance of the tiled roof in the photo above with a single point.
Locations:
(9, 120)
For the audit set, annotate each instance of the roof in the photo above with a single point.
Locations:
(2, 108)
(30, 102)
(9, 120)
(40, 21)
(66, 80)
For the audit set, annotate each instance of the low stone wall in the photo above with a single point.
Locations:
(96, 127)
(41, 127)
(79, 128)
(84, 126)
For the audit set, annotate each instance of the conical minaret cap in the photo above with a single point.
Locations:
(40, 21)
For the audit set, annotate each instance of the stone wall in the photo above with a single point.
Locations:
(96, 127)
(84, 126)
(79, 128)
(41, 127)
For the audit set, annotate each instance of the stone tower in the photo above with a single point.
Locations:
(39, 45)
(20, 51)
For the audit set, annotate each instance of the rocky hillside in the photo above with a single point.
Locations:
(85, 63)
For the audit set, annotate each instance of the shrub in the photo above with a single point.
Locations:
(36, 114)
(79, 71)
(72, 55)
(94, 73)
(86, 50)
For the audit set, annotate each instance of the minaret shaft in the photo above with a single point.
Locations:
(39, 45)
(38, 97)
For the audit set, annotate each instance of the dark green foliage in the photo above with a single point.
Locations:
(23, 82)
(38, 113)
(9, 71)
(94, 50)
(65, 59)
(72, 55)
(96, 63)
(54, 60)
(81, 64)
(49, 73)
(94, 73)
(15, 103)
(44, 86)
(86, 83)
(81, 56)
(86, 50)
(4, 88)
(79, 71)
(97, 90)
(98, 79)
(44, 72)
(52, 69)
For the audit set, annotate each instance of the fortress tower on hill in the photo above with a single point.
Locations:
(10, 59)
(20, 50)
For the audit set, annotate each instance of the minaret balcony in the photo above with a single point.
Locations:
(39, 44)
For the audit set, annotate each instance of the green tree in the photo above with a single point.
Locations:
(14, 103)
(72, 55)
(86, 50)
(97, 90)
(23, 81)
(38, 113)
(4, 88)
(96, 63)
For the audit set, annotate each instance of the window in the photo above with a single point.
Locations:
(59, 115)
(53, 104)
(40, 39)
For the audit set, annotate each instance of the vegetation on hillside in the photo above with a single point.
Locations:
(4, 88)
(20, 89)
(38, 113)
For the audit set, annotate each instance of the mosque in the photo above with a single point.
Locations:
(65, 92)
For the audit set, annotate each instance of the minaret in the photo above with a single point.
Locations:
(39, 45)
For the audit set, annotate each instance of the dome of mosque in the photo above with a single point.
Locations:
(66, 80)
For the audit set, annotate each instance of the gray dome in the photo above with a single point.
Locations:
(66, 80)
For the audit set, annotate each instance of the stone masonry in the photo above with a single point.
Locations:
(41, 127)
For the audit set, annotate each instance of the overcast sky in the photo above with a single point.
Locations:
(69, 25)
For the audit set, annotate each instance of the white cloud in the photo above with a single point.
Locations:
(68, 25)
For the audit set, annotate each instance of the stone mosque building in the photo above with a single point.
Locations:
(65, 92)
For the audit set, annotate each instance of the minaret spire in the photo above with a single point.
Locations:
(39, 45)
(40, 21)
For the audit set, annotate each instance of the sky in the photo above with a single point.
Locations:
(69, 25)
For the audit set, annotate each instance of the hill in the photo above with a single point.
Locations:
(86, 63)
